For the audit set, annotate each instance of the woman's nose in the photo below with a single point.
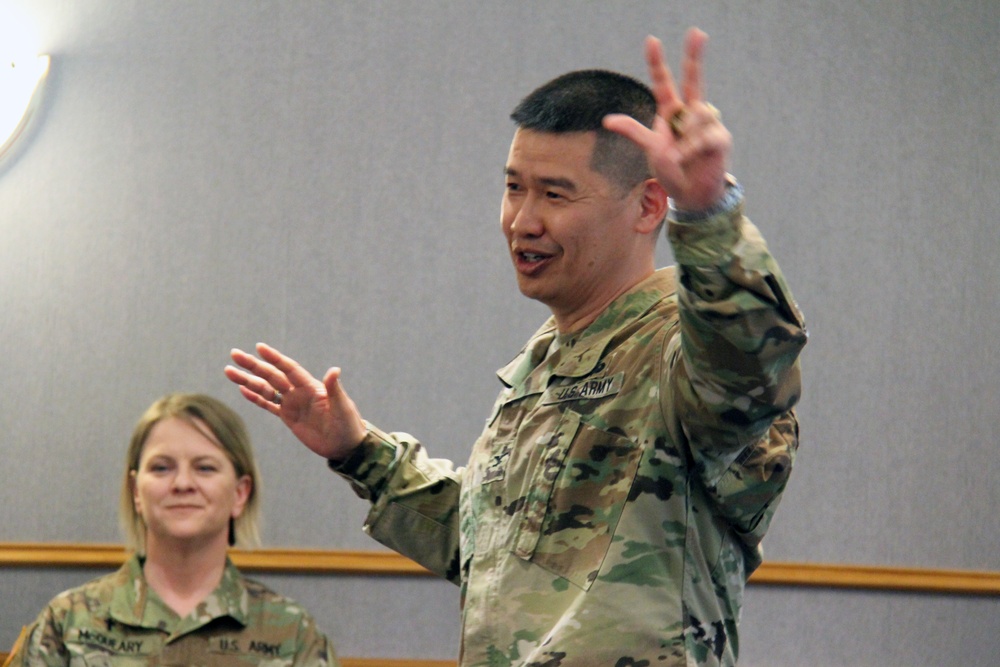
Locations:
(184, 479)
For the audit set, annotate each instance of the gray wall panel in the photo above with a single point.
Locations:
(789, 628)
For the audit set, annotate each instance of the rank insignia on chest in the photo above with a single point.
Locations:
(498, 463)
(589, 389)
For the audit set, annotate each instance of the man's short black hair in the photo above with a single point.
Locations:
(578, 102)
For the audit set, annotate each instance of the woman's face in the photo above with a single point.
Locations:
(186, 488)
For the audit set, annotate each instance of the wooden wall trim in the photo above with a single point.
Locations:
(879, 577)
(374, 563)
(312, 561)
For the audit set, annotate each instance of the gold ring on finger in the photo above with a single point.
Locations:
(675, 121)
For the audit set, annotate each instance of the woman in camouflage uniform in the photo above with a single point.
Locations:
(190, 491)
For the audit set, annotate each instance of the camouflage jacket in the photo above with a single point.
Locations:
(613, 507)
(117, 620)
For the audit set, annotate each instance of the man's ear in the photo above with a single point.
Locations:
(653, 200)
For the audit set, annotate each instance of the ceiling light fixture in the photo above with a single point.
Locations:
(22, 72)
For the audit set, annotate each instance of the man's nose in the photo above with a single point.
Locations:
(526, 220)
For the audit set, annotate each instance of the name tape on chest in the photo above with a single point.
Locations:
(251, 646)
(122, 645)
(589, 389)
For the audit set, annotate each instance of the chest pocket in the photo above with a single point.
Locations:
(99, 658)
(93, 659)
(577, 496)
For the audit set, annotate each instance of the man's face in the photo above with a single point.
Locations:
(569, 230)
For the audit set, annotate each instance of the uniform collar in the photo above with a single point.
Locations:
(578, 353)
(134, 603)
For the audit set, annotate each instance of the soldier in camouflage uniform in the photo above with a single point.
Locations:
(614, 505)
(118, 620)
(189, 491)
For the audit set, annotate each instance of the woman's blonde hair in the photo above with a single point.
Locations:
(228, 431)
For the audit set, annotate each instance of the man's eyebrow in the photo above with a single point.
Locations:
(548, 181)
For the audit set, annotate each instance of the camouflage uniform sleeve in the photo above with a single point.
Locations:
(414, 499)
(17, 652)
(734, 369)
(43, 645)
(315, 649)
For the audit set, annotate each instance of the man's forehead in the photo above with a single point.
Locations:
(551, 156)
(582, 141)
